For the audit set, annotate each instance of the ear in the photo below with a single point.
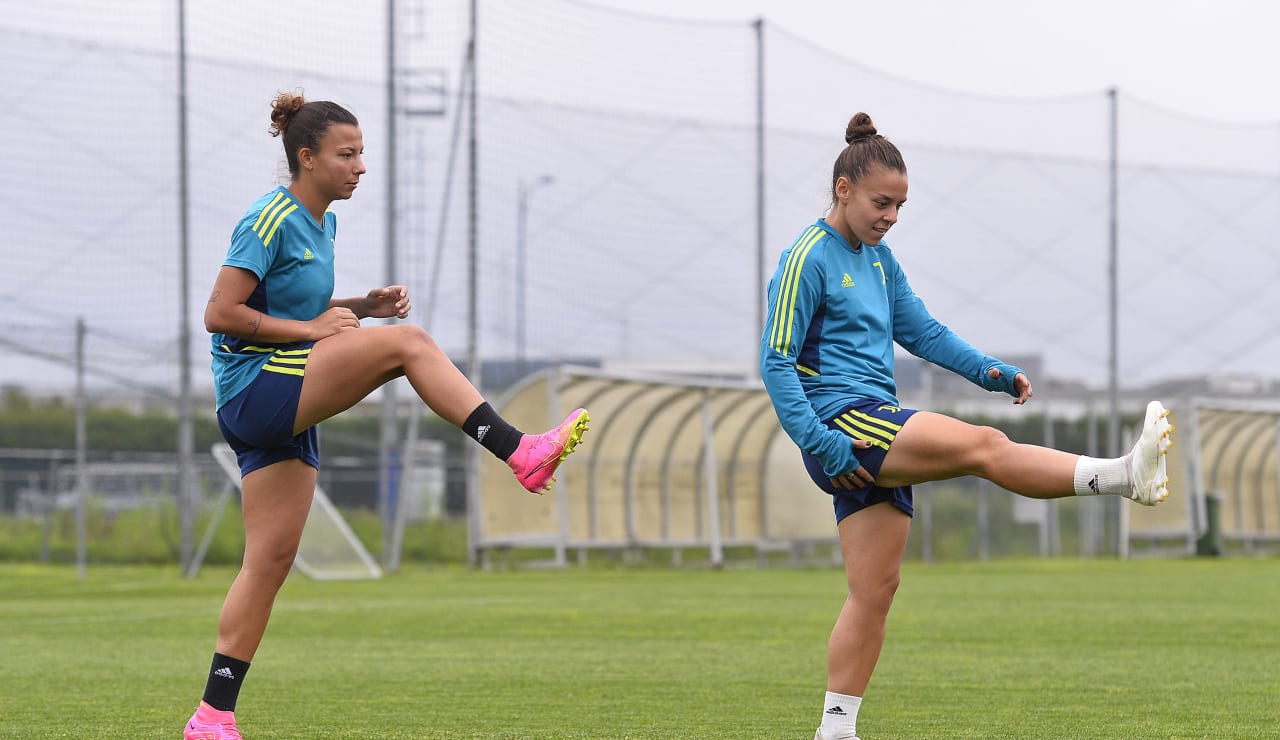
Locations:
(843, 186)
(306, 159)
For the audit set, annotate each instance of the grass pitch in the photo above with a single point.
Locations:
(1020, 649)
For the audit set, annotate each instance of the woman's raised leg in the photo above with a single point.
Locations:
(933, 447)
(343, 369)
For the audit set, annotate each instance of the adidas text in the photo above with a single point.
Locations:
(481, 431)
(836, 711)
(225, 672)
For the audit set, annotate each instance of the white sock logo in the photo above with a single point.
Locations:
(225, 672)
(481, 431)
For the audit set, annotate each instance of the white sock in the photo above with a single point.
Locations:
(1103, 477)
(840, 716)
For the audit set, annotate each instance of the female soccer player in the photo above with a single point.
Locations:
(837, 303)
(287, 356)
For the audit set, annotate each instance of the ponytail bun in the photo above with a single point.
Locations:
(860, 127)
(283, 109)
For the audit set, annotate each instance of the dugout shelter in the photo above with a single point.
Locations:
(668, 462)
(1224, 479)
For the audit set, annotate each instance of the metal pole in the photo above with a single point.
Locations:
(709, 472)
(473, 356)
(186, 498)
(1113, 280)
(760, 255)
(82, 472)
(387, 426)
(473, 214)
(1113, 422)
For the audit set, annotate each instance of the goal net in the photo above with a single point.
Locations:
(329, 549)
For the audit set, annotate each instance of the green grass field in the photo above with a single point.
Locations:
(1016, 649)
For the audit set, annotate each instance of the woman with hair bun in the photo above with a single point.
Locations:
(838, 302)
(287, 356)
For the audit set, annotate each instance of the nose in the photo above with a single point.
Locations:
(360, 168)
(891, 215)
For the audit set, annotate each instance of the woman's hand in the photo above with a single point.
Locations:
(859, 477)
(331, 322)
(1021, 386)
(384, 303)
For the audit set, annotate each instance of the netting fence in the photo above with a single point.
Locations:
(622, 209)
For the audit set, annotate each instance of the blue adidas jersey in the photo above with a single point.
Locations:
(292, 255)
(835, 312)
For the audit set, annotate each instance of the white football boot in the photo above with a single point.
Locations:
(1147, 471)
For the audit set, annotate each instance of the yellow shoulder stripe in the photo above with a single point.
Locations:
(780, 336)
(269, 206)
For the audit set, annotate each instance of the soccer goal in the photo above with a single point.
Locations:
(329, 549)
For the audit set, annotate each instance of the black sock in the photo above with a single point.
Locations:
(486, 427)
(225, 676)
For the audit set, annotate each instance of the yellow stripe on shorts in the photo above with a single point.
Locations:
(878, 432)
(288, 361)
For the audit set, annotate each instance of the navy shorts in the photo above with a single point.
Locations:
(878, 423)
(258, 421)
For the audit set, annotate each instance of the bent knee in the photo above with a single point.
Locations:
(413, 340)
(412, 333)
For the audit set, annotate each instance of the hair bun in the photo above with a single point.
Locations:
(283, 109)
(860, 127)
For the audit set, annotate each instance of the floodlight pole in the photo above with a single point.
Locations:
(759, 292)
(387, 421)
(1113, 420)
(186, 498)
(1113, 425)
(473, 351)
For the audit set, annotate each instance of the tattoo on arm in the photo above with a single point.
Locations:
(214, 298)
(256, 324)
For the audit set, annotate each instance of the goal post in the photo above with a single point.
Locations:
(329, 549)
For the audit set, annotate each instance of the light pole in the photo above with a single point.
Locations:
(524, 191)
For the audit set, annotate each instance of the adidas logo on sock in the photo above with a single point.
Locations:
(225, 672)
(836, 711)
(1093, 484)
(481, 431)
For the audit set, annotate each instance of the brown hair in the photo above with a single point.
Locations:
(302, 123)
(864, 150)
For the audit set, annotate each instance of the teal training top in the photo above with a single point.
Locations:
(292, 256)
(835, 311)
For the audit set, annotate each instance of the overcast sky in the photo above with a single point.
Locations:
(1212, 58)
(566, 75)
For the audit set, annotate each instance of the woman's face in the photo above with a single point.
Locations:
(337, 163)
(871, 205)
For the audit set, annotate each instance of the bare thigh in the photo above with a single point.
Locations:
(277, 500)
(872, 542)
(343, 369)
(933, 447)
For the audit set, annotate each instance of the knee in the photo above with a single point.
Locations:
(875, 594)
(415, 341)
(989, 444)
(269, 566)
